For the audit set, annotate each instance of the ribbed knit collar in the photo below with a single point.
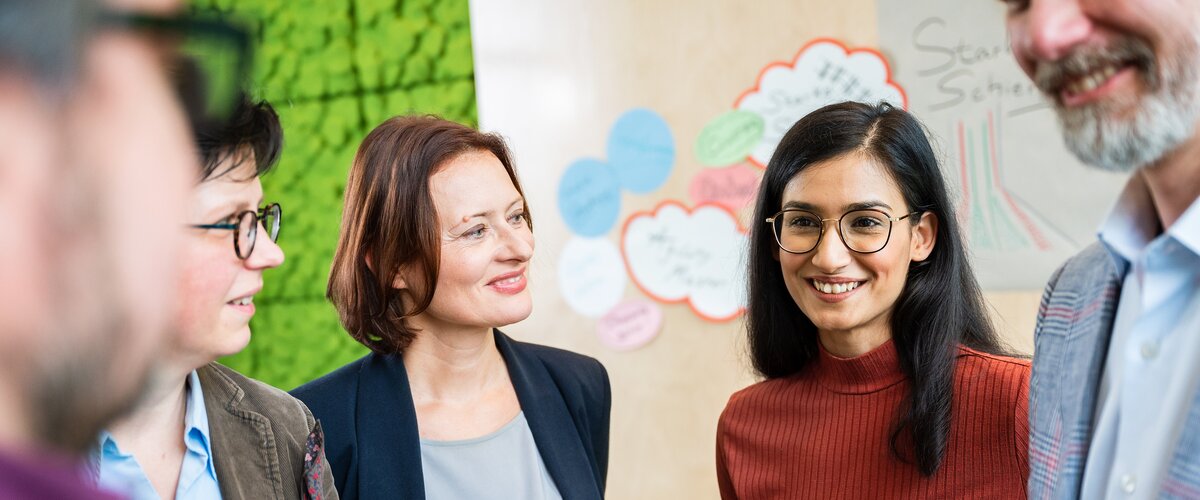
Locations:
(873, 371)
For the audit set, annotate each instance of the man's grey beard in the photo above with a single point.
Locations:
(1163, 119)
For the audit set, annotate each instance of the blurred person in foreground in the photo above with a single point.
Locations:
(1115, 395)
(94, 162)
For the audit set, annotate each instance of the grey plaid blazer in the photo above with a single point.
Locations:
(1071, 339)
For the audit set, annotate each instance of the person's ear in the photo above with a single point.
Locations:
(924, 237)
(398, 281)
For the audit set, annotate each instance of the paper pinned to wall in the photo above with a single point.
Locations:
(589, 275)
(589, 197)
(728, 138)
(1027, 204)
(697, 256)
(731, 187)
(641, 150)
(630, 325)
(824, 72)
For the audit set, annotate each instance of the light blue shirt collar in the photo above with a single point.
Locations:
(1133, 224)
(1187, 228)
(119, 471)
(195, 419)
(196, 437)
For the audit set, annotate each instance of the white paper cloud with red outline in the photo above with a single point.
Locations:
(824, 72)
(697, 256)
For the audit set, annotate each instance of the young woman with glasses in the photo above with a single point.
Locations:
(204, 430)
(883, 376)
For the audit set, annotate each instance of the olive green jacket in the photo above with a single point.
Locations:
(265, 443)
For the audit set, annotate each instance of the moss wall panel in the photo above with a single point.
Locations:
(333, 70)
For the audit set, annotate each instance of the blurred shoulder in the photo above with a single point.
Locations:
(1085, 271)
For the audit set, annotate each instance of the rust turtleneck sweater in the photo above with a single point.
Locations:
(824, 432)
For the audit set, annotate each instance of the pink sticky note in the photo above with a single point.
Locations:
(731, 187)
(630, 325)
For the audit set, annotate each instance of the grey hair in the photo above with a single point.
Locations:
(42, 39)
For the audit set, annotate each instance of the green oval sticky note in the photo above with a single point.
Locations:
(729, 138)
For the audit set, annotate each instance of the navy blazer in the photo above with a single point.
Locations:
(370, 423)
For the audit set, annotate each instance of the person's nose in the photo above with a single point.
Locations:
(1053, 28)
(516, 243)
(267, 254)
(831, 253)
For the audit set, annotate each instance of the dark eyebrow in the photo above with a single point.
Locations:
(799, 205)
(862, 205)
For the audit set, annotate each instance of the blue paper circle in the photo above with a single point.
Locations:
(589, 197)
(641, 150)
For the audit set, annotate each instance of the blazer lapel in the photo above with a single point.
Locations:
(553, 429)
(387, 423)
(1088, 348)
(240, 468)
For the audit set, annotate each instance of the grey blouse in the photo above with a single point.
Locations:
(502, 465)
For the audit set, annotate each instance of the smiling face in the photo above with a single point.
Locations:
(486, 244)
(842, 292)
(1124, 75)
(217, 287)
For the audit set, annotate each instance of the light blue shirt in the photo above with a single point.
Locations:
(120, 472)
(1151, 372)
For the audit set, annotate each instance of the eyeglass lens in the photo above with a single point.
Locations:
(247, 230)
(863, 231)
(270, 221)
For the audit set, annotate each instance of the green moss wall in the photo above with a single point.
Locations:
(334, 70)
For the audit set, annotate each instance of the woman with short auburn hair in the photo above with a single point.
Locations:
(432, 258)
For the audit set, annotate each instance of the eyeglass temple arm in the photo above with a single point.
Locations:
(223, 225)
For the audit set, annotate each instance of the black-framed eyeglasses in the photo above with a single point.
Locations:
(245, 228)
(208, 60)
(863, 231)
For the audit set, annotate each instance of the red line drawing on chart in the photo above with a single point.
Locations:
(993, 219)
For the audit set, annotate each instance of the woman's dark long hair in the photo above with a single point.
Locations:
(941, 305)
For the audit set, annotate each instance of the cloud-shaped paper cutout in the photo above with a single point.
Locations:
(675, 255)
(641, 150)
(641, 153)
(630, 325)
(589, 197)
(731, 187)
(728, 138)
(823, 72)
(589, 275)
